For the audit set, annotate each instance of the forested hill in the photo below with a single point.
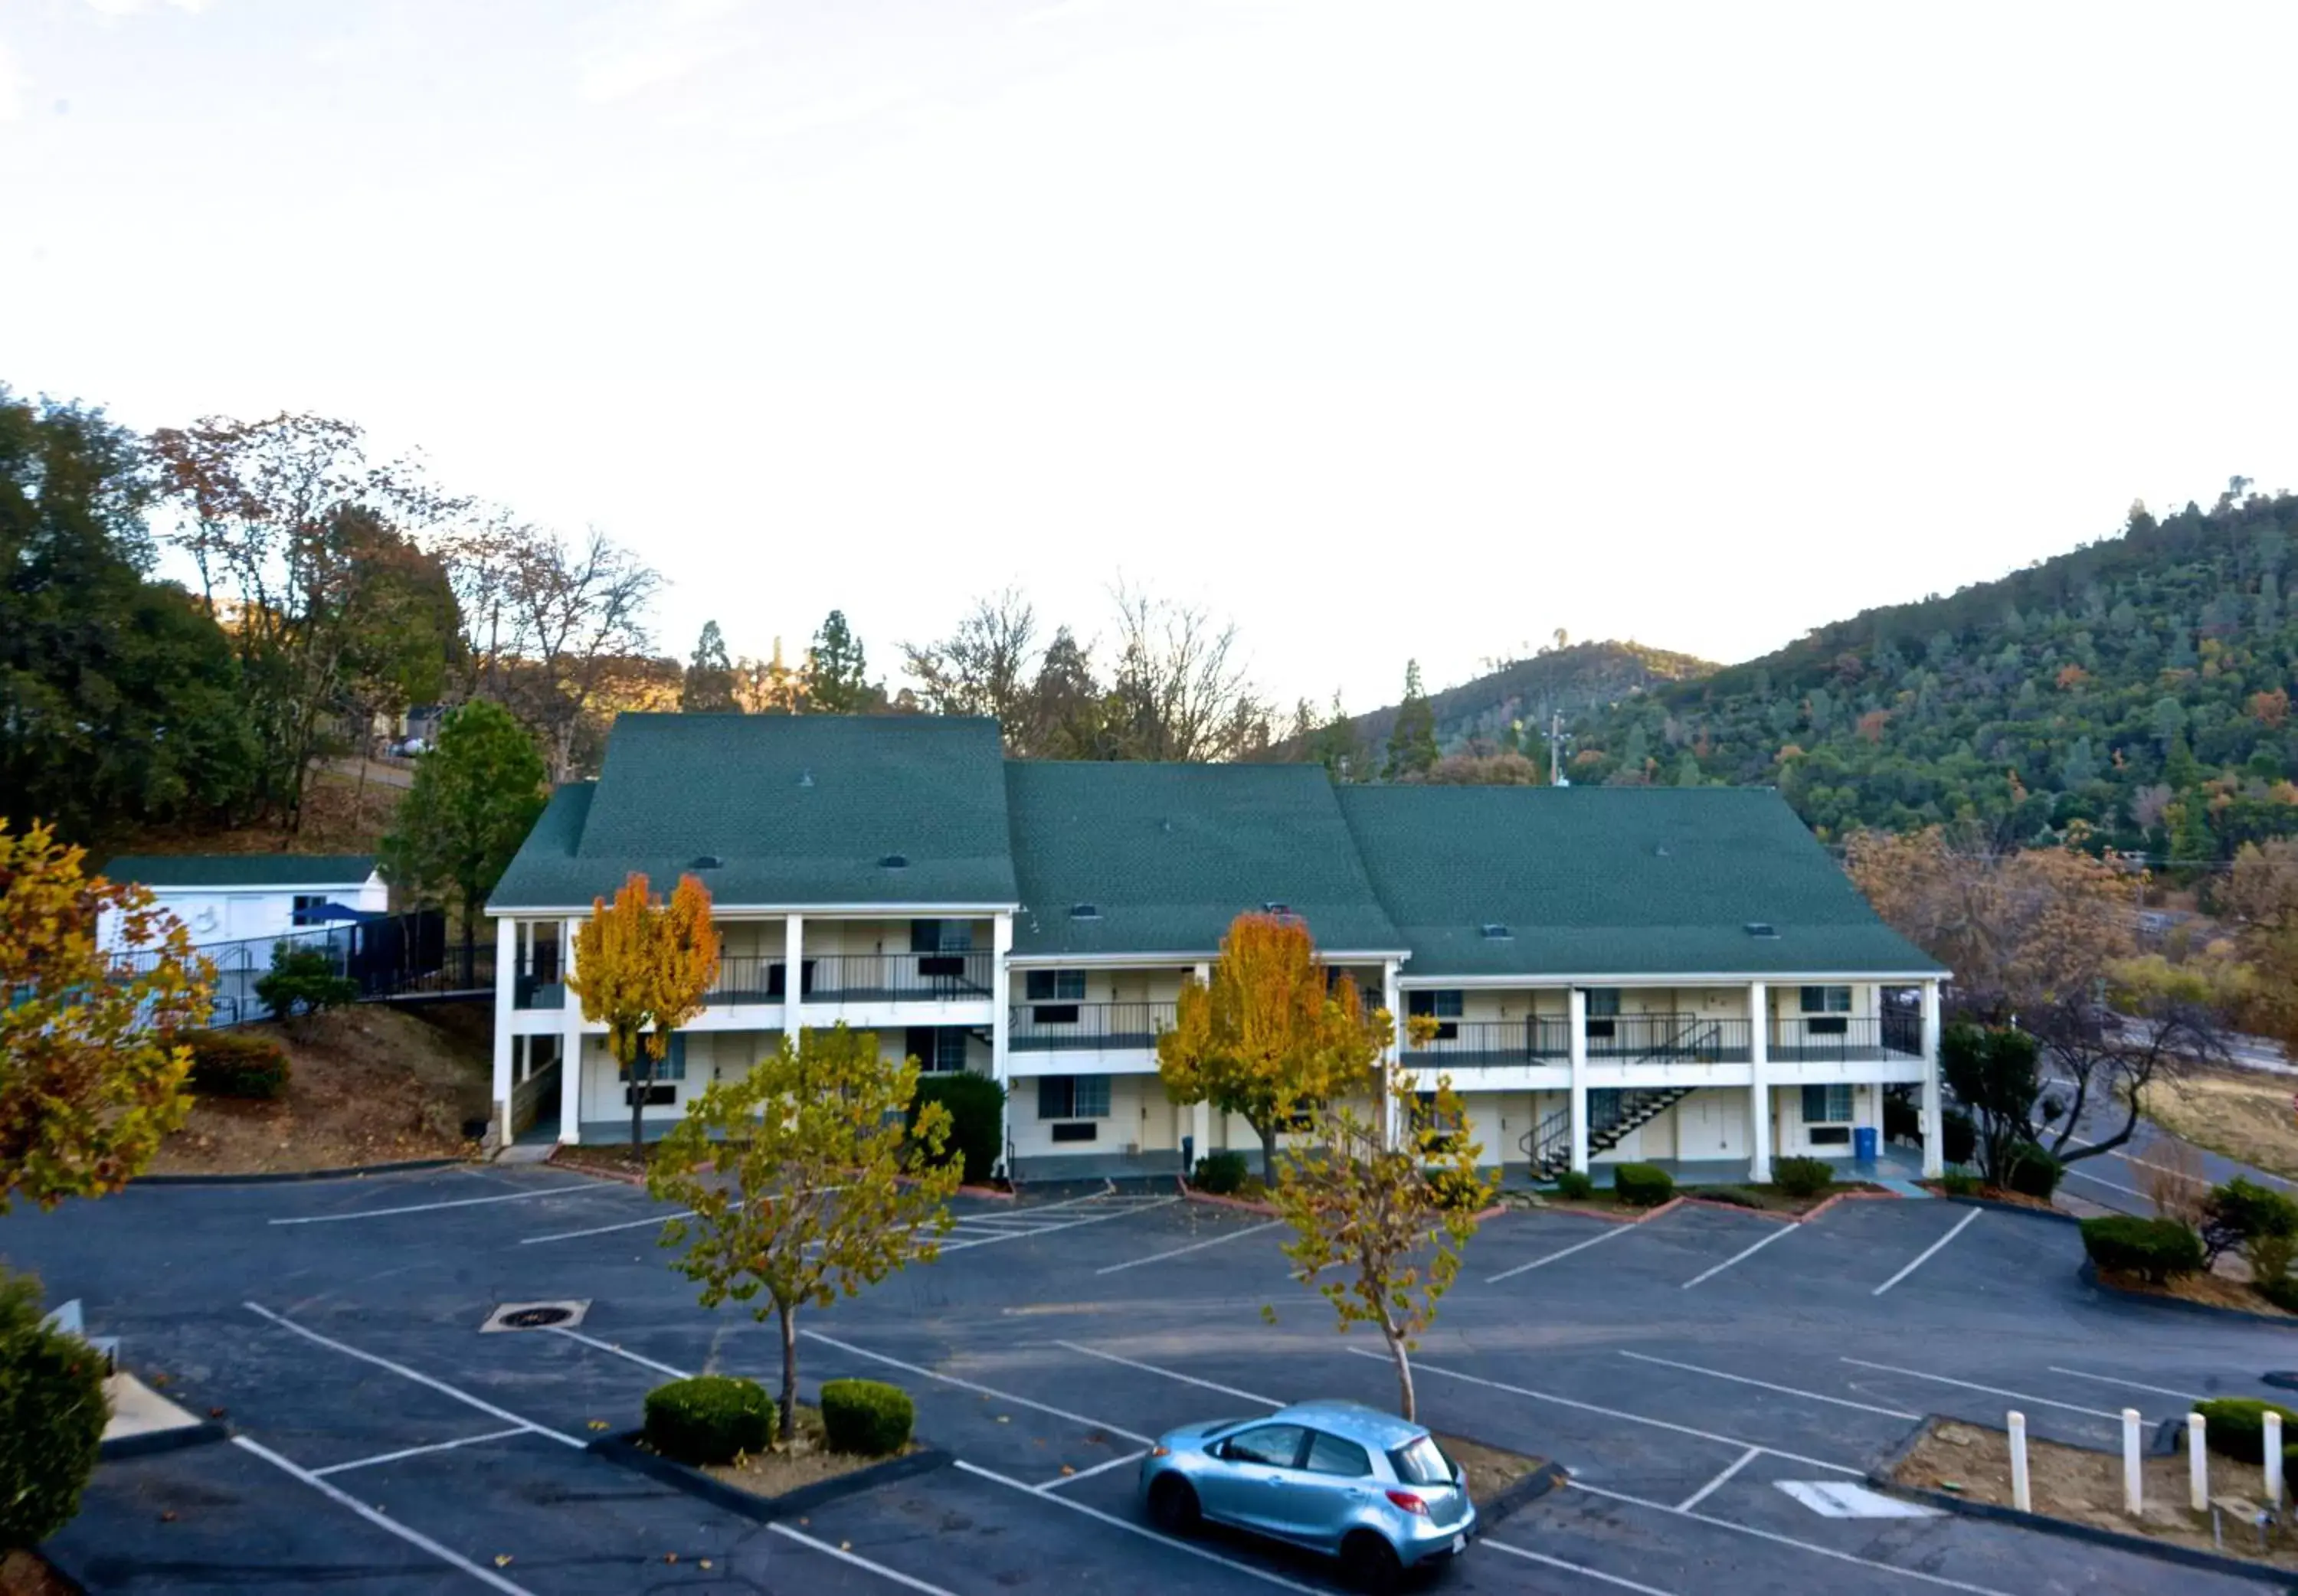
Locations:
(2141, 683)
(1573, 680)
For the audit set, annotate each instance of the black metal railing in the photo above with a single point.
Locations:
(1536, 1038)
(1818, 1038)
(1085, 1027)
(1903, 1033)
(541, 983)
(855, 977)
(1670, 1038)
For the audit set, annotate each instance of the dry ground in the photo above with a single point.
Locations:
(370, 1085)
(28, 1574)
(2085, 1486)
(2246, 1117)
(805, 1462)
(341, 815)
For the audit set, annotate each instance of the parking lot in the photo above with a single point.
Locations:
(1682, 1371)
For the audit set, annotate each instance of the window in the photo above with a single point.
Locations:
(1827, 1000)
(1073, 1096)
(1273, 1445)
(671, 1067)
(1827, 1106)
(1425, 1117)
(940, 936)
(1330, 1454)
(1055, 986)
(1443, 1006)
(1603, 1002)
(309, 900)
(1420, 1461)
(949, 1049)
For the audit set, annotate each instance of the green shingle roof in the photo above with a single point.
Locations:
(798, 810)
(241, 871)
(1613, 881)
(1170, 853)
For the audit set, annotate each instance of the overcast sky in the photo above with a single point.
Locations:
(1400, 329)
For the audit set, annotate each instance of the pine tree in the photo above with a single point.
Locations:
(1412, 742)
(1336, 747)
(709, 686)
(837, 674)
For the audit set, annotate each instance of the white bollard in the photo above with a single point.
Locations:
(2134, 1493)
(2021, 1497)
(2274, 1459)
(2198, 1465)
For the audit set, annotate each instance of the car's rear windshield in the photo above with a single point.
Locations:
(1420, 1461)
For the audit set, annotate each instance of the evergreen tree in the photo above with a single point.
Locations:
(837, 674)
(710, 685)
(1337, 747)
(1412, 742)
(475, 799)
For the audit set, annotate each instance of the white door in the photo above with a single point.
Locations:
(1711, 1124)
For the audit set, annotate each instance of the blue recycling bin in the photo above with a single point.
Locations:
(1863, 1143)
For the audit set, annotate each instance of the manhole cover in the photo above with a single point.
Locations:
(535, 1316)
(2288, 1379)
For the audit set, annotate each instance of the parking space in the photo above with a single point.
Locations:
(1684, 1371)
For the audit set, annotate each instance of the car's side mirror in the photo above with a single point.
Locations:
(1219, 1448)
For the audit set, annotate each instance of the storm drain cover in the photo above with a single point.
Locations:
(535, 1316)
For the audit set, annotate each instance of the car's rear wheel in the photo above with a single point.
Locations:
(1173, 1504)
(1371, 1563)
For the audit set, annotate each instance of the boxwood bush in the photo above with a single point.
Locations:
(2033, 1172)
(710, 1418)
(226, 1064)
(1575, 1186)
(1642, 1184)
(1221, 1173)
(1960, 1183)
(1958, 1136)
(977, 1114)
(1801, 1177)
(52, 1417)
(2154, 1250)
(868, 1417)
(2236, 1426)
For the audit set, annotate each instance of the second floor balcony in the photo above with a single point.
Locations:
(857, 978)
(1087, 1027)
(1673, 1038)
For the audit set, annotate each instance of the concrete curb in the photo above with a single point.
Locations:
(287, 1176)
(576, 1166)
(2065, 1529)
(2087, 1273)
(2018, 1208)
(1526, 1490)
(625, 1450)
(1243, 1205)
(153, 1442)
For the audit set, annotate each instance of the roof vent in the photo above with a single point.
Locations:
(706, 862)
(1085, 911)
(805, 778)
(1275, 908)
(1496, 932)
(1762, 928)
(1661, 852)
(895, 862)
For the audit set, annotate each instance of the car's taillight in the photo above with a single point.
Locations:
(1161, 1451)
(1409, 1502)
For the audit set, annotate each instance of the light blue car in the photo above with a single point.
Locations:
(1372, 1489)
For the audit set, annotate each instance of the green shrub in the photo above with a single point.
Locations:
(2033, 1172)
(52, 1417)
(977, 1118)
(1960, 1183)
(2239, 1212)
(868, 1417)
(2153, 1249)
(303, 981)
(2270, 1258)
(1958, 1136)
(710, 1418)
(2282, 1292)
(1642, 1184)
(2235, 1427)
(1738, 1197)
(1575, 1186)
(229, 1064)
(1221, 1173)
(1801, 1177)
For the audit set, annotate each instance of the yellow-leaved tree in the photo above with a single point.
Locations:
(642, 969)
(1268, 1036)
(802, 1182)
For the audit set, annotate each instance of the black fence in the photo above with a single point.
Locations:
(389, 957)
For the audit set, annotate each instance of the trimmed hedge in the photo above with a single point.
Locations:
(1220, 1174)
(2033, 1172)
(1575, 1186)
(229, 1064)
(2240, 1211)
(303, 980)
(52, 1417)
(868, 1417)
(2235, 1427)
(1958, 1136)
(1642, 1184)
(1801, 1177)
(2154, 1250)
(1737, 1196)
(977, 1118)
(1960, 1183)
(710, 1418)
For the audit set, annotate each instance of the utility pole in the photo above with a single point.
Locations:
(1556, 776)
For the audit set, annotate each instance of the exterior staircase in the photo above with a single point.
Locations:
(1613, 1115)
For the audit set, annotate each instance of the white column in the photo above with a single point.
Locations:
(1001, 1018)
(570, 1047)
(1201, 1114)
(506, 985)
(1759, 1089)
(793, 975)
(1934, 1112)
(1392, 998)
(1579, 1095)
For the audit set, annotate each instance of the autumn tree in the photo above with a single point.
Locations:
(1386, 1217)
(805, 1181)
(1179, 690)
(2260, 896)
(642, 969)
(983, 667)
(1268, 1036)
(474, 800)
(2150, 1022)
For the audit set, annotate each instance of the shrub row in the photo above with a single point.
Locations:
(1221, 1174)
(1801, 1177)
(868, 1417)
(231, 1064)
(2153, 1249)
(1642, 1184)
(2236, 1426)
(715, 1418)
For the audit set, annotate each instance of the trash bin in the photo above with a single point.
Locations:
(1863, 1143)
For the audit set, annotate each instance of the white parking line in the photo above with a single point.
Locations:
(400, 1369)
(485, 1576)
(1147, 1534)
(587, 1187)
(1657, 1424)
(417, 1451)
(1578, 1246)
(1058, 1481)
(2100, 1180)
(1924, 1256)
(1763, 1534)
(529, 1241)
(2132, 1158)
(1730, 1468)
(2110, 1380)
(1096, 1219)
(1736, 1257)
(609, 1346)
(1194, 1247)
(1251, 1396)
(2020, 1396)
(844, 1556)
(1002, 1396)
(1584, 1573)
(1812, 1396)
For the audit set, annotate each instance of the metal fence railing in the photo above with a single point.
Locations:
(1059, 1027)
